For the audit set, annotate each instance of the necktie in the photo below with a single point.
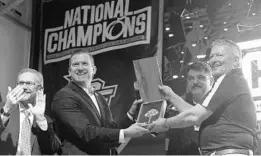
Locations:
(25, 146)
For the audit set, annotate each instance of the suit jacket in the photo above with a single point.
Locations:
(81, 128)
(43, 142)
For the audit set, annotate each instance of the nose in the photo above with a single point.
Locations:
(80, 66)
(196, 81)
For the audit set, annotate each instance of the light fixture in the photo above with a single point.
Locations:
(182, 52)
(201, 26)
(250, 44)
(225, 22)
(171, 35)
(181, 61)
(253, 14)
(225, 29)
(193, 44)
(187, 17)
(175, 76)
(201, 56)
(167, 28)
(205, 37)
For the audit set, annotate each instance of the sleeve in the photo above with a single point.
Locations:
(48, 141)
(2, 125)
(229, 88)
(124, 122)
(68, 112)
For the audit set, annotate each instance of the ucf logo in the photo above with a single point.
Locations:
(99, 85)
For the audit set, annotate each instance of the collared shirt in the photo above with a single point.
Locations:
(42, 124)
(94, 100)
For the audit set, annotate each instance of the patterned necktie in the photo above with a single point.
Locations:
(25, 146)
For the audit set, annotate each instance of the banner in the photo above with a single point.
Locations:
(115, 32)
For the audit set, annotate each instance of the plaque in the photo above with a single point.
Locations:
(148, 79)
(151, 111)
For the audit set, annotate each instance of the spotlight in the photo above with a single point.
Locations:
(171, 35)
(175, 76)
(167, 28)
(201, 56)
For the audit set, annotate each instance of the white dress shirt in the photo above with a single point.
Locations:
(94, 100)
(42, 124)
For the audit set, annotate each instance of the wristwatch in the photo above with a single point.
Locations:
(165, 124)
(3, 112)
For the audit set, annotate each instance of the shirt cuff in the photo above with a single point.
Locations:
(121, 137)
(130, 116)
(42, 124)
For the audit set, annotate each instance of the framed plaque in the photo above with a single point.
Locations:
(148, 79)
(151, 111)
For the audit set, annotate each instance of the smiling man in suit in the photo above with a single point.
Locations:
(24, 128)
(83, 116)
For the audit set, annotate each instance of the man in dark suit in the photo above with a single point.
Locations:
(24, 128)
(83, 116)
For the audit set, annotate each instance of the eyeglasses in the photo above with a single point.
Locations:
(29, 83)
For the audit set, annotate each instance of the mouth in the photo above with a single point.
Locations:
(196, 87)
(81, 74)
(216, 64)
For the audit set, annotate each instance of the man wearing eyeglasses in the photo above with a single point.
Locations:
(24, 128)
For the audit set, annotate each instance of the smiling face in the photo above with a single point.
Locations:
(81, 69)
(30, 83)
(222, 59)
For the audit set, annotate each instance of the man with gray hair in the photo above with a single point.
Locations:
(227, 116)
(24, 128)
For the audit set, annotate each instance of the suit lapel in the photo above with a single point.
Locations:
(33, 137)
(87, 100)
(101, 106)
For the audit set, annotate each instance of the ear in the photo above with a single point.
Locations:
(212, 80)
(236, 63)
(94, 70)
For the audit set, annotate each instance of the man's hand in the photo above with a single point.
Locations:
(39, 108)
(12, 98)
(135, 108)
(167, 92)
(158, 125)
(135, 130)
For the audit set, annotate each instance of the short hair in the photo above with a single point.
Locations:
(225, 42)
(199, 66)
(33, 71)
(80, 51)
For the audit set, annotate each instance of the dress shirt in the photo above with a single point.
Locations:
(94, 100)
(42, 124)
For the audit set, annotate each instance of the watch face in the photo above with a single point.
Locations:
(3, 112)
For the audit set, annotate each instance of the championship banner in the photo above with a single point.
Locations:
(115, 32)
